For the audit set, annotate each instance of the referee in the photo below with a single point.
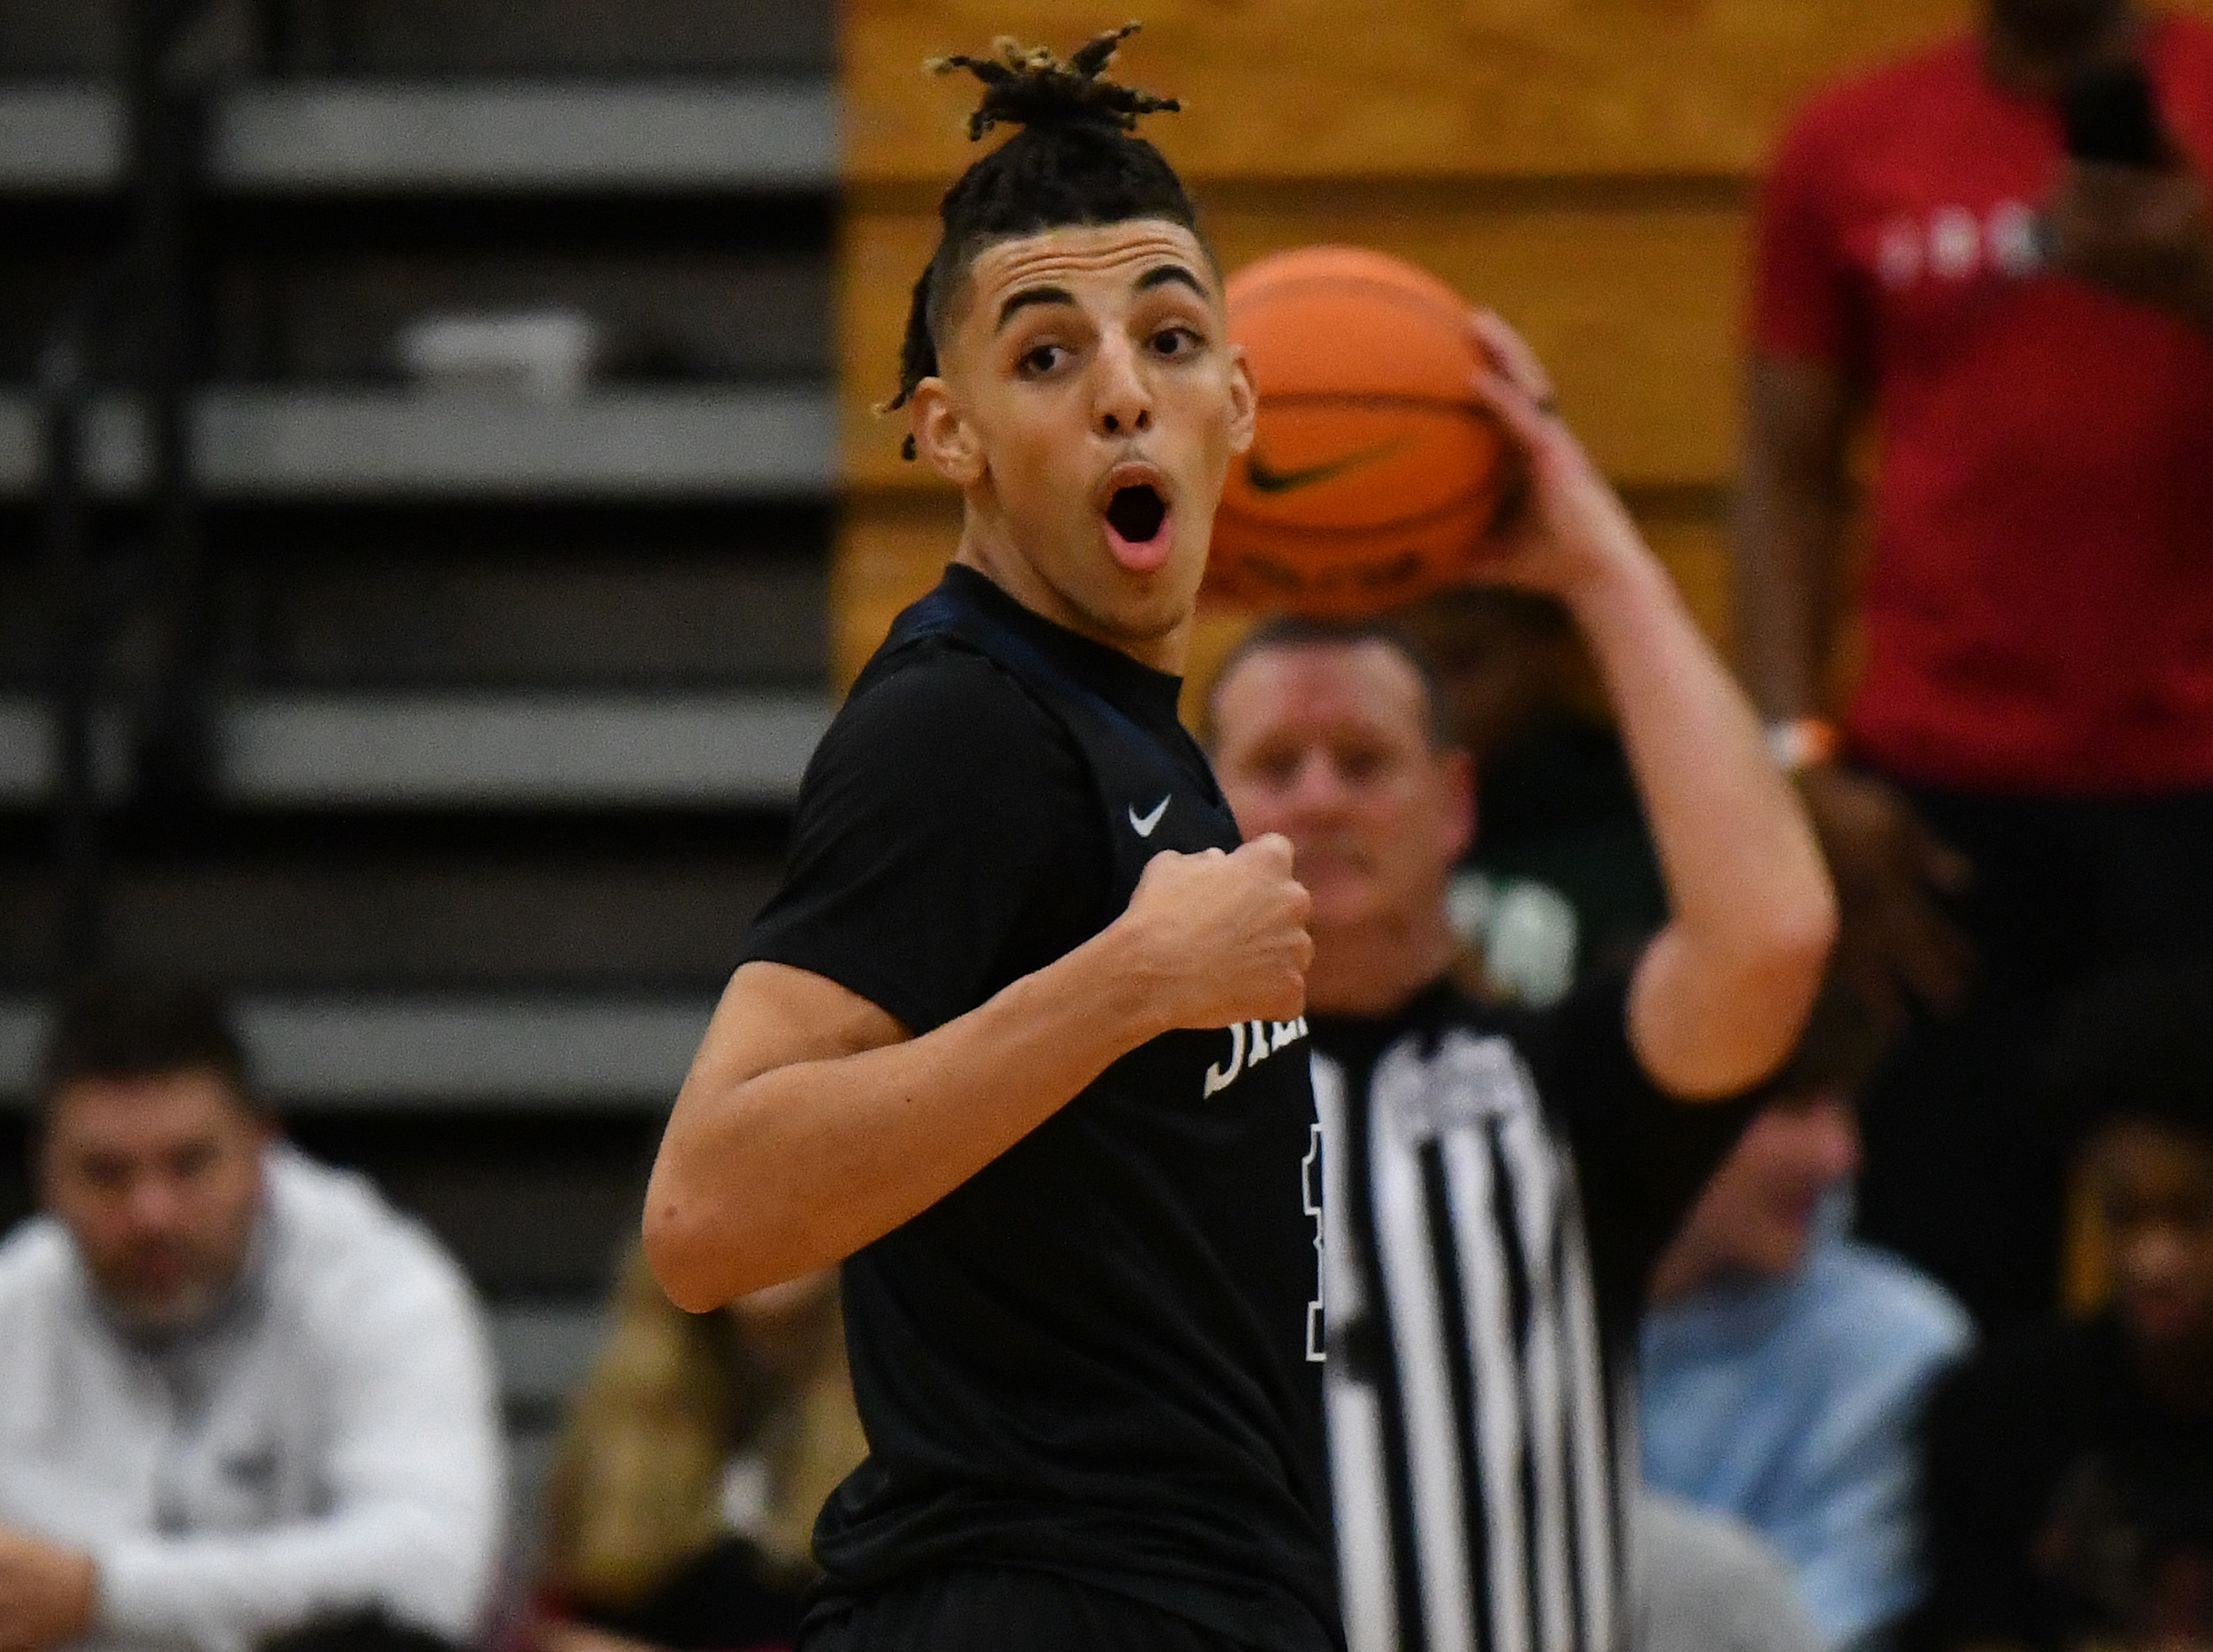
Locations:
(1501, 1183)
(977, 1051)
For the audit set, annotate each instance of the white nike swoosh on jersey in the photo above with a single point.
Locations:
(1142, 824)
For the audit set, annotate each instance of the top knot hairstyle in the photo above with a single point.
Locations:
(1075, 161)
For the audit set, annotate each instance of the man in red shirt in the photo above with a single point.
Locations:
(2026, 782)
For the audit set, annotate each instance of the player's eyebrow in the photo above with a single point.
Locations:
(1029, 296)
(1167, 275)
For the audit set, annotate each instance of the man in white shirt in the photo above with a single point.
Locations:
(238, 1393)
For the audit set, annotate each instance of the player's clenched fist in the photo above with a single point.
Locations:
(1222, 938)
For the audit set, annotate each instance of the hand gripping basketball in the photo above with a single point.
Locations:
(1222, 938)
(1374, 469)
(1568, 519)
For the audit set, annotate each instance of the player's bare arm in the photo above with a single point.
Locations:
(1721, 993)
(1793, 505)
(811, 1124)
(1793, 499)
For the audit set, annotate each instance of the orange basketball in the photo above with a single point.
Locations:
(1374, 472)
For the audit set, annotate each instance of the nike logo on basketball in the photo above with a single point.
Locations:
(1142, 824)
(1267, 479)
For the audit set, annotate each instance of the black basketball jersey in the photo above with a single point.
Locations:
(1100, 1356)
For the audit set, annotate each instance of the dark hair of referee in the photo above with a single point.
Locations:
(1300, 630)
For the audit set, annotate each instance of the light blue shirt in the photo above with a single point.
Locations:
(1792, 1405)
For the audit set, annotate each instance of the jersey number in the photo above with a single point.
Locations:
(1310, 1197)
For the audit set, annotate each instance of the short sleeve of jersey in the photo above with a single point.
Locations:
(1801, 299)
(1641, 1156)
(945, 844)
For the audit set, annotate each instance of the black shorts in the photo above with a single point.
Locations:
(1003, 1610)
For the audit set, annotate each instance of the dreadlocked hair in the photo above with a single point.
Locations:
(1075, 161)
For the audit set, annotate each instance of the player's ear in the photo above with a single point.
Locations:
(943, 439)
(1244, 400)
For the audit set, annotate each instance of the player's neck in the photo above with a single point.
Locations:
(2038, 65)
(995, 555)
(1371, 970)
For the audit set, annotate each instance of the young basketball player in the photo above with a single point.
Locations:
(976, 1050)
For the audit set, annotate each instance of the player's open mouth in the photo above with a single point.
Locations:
(1137, 527)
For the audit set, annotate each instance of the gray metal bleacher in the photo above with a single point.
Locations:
(542, 749)
(318, 442)
(510, 695)
(494, 137)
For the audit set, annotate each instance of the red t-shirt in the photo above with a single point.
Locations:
(2039, 611)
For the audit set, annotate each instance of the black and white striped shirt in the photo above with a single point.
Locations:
(1498, 1185)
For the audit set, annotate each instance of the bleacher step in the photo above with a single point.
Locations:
(358, 1052)
(755, 441)
(483, 750)
(529, 915)
(506, 137)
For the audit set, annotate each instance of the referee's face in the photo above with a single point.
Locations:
(1329, 744)
(1089, 406)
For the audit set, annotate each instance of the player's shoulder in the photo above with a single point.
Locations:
(2185, 36)
(1871, 105)
(939, 725)
(36, 1261)
(2180, 55)
(1881, 1312)
(2178, 52)
(1441, 1022)
(1465, 1003)
(941, 693)
(1581, 1019)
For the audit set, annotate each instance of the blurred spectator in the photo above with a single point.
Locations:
(1562, 879)
(2026, 786)
(1786, 1367)
(702, 1447)
(237, 1392)
(2070, 1466)
(1709, 1584)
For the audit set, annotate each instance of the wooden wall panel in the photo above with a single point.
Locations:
(890, 550)
(1408, 88)
(1693, 541)
(1634, 301)
(1582, 165)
